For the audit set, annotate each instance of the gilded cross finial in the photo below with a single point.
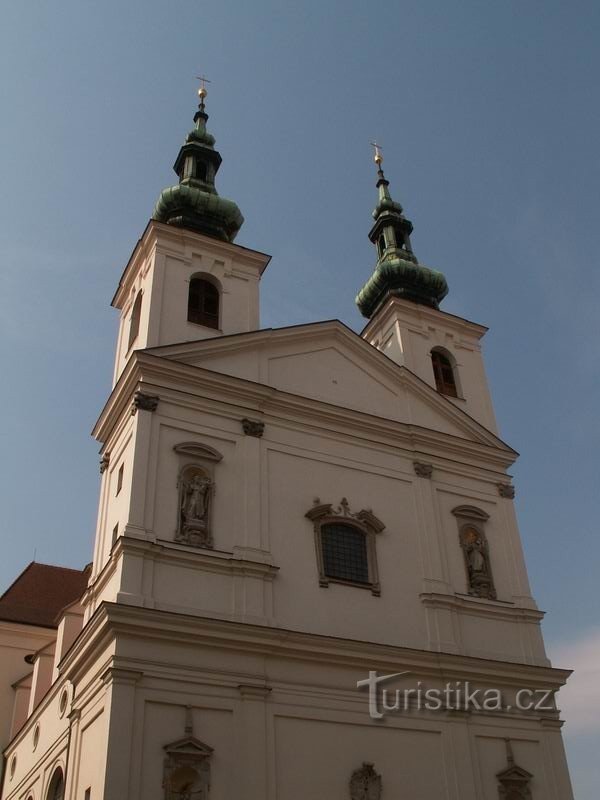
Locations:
(378, 158)
(202, 91)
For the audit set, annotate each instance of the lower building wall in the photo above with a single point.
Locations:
(270, 715)
(292, 729)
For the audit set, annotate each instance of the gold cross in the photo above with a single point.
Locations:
(203, 79)
(378, 154)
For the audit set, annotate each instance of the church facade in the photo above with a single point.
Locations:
(290, 521)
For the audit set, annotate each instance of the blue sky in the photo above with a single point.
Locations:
(488, 113)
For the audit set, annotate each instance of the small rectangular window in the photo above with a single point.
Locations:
(88, 793)
(120, 479)
(115, 534)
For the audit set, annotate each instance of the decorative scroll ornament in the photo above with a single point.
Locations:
(422, 470)
(365, 515)
(186, 771)
(104, 462)
(365, 783)
(506, 490)
(195, 494)
(253, 427)
(144, 402)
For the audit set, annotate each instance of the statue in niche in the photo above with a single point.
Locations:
(365, 783)
(478, 565)
(196, 490)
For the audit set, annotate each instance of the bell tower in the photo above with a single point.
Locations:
(186, 279)
(402, 300)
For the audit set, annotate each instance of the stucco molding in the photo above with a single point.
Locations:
(198, 450)
(196, 388)
(144, 402)
(252, 427)
(480, 607)
(422, 470)
(506, 490)
(113, 619)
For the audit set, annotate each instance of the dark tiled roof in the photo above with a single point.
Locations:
(40, 593)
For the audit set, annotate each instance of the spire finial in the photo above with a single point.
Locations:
(378, 158)
(202, 91)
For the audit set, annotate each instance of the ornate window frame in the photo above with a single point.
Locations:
(472, 520)
(364, 521)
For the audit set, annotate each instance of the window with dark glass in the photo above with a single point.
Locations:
(201, 171)
(134, 325)
(344, 553)
(203, 303)
(443, 373)
(56, 790)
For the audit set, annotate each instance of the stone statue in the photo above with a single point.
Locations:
(194, 506)
(478, 566)
(194, 509)
(365, 783)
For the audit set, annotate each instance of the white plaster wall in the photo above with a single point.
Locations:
(161, 268)
(264, 487)
(407, 332)
(16, 642)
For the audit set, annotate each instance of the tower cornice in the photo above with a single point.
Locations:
(159, 233)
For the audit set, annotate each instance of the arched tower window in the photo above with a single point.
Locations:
(381, 244)
(203, 303)
(443, 372)
(134, 325)
(56, 790)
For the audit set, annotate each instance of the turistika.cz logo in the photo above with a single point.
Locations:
(454, 696)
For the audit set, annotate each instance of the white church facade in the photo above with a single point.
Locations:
(284, 513)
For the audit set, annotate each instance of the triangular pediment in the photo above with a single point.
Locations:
(188, 746)
(514, 773)
(328, 362)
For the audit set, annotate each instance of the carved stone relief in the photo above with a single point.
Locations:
(186, 770)
(253, 427)
(365, 783)
(506, 490)
(422, 470)
(144, 402)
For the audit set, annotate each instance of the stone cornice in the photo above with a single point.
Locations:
(494, 609)
(217, 561)
(191, 386)
(425, 314)
(158, 235)
(284, 643)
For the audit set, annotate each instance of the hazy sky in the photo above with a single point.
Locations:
(488, 113)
